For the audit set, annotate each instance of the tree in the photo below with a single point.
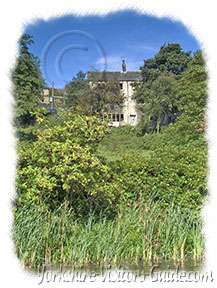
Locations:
(157, 99)
(99, 97)
(28, 81)
(157, 92)
(191, 98)
(75, 88)
(192, 91)
(170, 58)
(105, 96)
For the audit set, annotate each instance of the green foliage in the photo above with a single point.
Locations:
(179, 161)
(191, 97)
(27, 80)
(95, 97)
(103, 97)
(119, 142)
(75, 89)
(170, 58)
(157, 94)
(172, 175)
(90, 193)
(179, 133)
(144, 232)
(181, 89)
(192, 92)
(158, 99)
(60, 166)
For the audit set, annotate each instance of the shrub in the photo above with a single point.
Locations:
(60, 166)
(171, 175)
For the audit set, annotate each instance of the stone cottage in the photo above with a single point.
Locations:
(129, 113)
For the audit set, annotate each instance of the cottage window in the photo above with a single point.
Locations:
(116, 117)
(121, 85)
(132, 119)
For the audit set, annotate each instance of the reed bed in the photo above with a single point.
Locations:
(142, 232)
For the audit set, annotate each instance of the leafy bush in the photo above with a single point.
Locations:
(61, 167)
(172, 175)
(182, 132)
(120, 141)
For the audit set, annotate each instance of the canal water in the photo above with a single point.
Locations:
(188, 265)
(125, 272)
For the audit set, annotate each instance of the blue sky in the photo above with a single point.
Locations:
(69, 44)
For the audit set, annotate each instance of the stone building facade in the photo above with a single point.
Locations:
(58, 96)
(129, 112)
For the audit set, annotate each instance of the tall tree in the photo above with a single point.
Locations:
(28, 81)
(157, 92)
(75, 88)
(99, 97)
(170, 58)
(192, 92)
(157, 99)
(105, 96)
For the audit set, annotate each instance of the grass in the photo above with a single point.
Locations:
(119, 142)
(142, 232)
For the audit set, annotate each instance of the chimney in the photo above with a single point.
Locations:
(124, 67)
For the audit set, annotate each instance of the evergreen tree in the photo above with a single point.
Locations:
(170, 58)
(77, 86)
(192, 92)
(28, 81)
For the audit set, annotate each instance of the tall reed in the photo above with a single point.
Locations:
(142, 232)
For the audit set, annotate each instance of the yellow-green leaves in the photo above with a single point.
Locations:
(60, 166)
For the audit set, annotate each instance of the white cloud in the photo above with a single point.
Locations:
(114, 63)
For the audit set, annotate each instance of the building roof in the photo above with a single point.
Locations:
(57, 92)
(107, 75)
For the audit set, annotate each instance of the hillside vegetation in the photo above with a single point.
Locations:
(89, 193)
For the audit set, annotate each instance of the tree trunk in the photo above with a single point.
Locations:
(158, 127)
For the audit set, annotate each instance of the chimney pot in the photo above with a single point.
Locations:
(124, 67)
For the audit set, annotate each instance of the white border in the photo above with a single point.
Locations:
(199, 16)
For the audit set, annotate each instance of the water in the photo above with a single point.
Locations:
(188, 265)
(166, 271)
